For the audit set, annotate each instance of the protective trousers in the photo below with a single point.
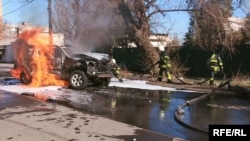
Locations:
(214, 70)
(167, 74)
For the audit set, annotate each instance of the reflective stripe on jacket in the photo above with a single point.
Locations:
(165, 62)
(215, 62)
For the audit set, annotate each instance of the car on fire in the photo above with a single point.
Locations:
(80, 70)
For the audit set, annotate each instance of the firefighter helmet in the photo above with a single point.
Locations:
(161, 48)
(113, 61)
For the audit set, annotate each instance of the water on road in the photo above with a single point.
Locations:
(152, 109)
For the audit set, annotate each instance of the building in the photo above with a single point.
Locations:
(6, 49)
(11, 34)
(157, 40)
(160, 40)
(234, 24)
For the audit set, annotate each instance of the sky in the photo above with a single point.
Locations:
(36, 13)
(18, 11)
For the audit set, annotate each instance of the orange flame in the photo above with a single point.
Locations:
(33, 52)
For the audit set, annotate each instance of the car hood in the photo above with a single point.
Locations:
(91, 56)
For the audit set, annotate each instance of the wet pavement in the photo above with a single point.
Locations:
(220, 109)
(153, 110)
(25, 119)
(148, 109)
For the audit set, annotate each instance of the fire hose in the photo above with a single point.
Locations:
(179, 111)
(172, 72)
(183, 82)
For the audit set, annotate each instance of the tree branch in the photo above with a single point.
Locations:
(171, 10)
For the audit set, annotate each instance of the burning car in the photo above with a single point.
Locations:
(79, 70)
(38, 63)
(82, 69)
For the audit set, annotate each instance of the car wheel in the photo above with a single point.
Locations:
(78, 80)
(25, 78)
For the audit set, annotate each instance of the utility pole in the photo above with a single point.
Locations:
(1, 18)
(50, 22)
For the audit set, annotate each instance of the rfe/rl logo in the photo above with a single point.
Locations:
(229, 132)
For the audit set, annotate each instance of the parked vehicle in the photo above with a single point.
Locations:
(9, 81)
(80, 70)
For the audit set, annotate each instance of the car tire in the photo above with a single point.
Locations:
(78, 80)
(25, 79)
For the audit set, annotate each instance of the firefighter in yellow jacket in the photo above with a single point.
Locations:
(215, 65)
(164, 65)
(115, 69)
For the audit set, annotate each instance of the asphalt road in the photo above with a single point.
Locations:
(25, 118)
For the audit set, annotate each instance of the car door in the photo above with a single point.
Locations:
(58, 59)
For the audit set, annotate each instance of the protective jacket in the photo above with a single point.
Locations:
(115, 69)
(164, 62)
(215, 63)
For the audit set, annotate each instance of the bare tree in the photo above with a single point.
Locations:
(91, 23)
(246, 31)
(88, 25)
(211, 27)
(139, 17)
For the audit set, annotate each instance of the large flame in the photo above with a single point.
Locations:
(33, 54)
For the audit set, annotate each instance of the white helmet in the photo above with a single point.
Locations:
(161, 48)
(113, 61)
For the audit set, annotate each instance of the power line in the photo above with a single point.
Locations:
(28, 2)
(6, 3)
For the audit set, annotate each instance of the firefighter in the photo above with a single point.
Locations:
(164, 65)
(215, 65)
(115, 69)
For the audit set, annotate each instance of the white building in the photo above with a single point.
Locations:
(13, 31)
(157, 40)
(11, 34)
(234, 24)
(160, 40)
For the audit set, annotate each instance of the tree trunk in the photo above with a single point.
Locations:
(150, 54)
(138, 30)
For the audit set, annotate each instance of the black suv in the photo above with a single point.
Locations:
(80, 70)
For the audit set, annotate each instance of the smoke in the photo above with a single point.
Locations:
(92, 28)
(248, 6)
(94, 32)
